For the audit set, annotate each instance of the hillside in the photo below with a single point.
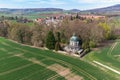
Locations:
(73, 10)
(30, 10)
(115, 9)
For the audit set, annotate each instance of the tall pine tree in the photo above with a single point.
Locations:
(50, 40)
(57, 45)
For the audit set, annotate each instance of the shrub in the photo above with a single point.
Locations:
(92, 44)
(87, 50)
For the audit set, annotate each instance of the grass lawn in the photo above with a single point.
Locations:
(18, 62)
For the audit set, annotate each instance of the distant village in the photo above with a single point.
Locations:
(53, 19)
(56, 19)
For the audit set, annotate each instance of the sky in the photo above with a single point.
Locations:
(64, 4)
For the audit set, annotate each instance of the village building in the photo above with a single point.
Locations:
(92, 16)
(54, 20)
(74, 45)
(39, 20)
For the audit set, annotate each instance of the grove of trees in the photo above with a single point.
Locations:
(91, 33)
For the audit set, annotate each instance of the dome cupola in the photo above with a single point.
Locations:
(74, 38)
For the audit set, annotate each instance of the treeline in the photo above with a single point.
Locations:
(16, 18)
(40, 35)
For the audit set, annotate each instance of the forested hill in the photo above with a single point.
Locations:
(30, 10)
(113, 9)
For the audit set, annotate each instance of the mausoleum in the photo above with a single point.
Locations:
(74, 45)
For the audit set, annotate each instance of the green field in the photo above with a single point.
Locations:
(110, 56)
(18, 62)
(30, 16)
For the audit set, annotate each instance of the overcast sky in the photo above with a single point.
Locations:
(64, 4)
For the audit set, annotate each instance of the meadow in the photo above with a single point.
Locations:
(20, 62)
(32, 15)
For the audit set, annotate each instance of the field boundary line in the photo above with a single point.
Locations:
(27, 77)
(54, 77)
(107, 67)
(43, 72)
(12, 70)
(4, 58)
(111, 48)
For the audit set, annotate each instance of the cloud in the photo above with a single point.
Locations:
(18, 0)
(3, 5)
(96, 1)
(111, 1)
(47, 2)
(57, 2)
(66, 4)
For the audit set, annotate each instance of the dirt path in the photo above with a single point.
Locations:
(3, 58)
(112, 48)
(107, 67)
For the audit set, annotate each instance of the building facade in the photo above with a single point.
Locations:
(73, 46)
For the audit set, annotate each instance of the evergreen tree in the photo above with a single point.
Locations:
(2, 18)
(77, 16)
(58, 37)
(80, 40)
(50, 40)
(57, 46)
(63, 38)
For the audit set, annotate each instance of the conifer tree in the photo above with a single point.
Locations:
(57, 45)
(77, 16)
(50, 40)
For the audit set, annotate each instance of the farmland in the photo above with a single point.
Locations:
(20, 62)
(110, 56)
(33, 15)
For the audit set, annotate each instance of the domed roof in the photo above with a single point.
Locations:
(74, 38)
